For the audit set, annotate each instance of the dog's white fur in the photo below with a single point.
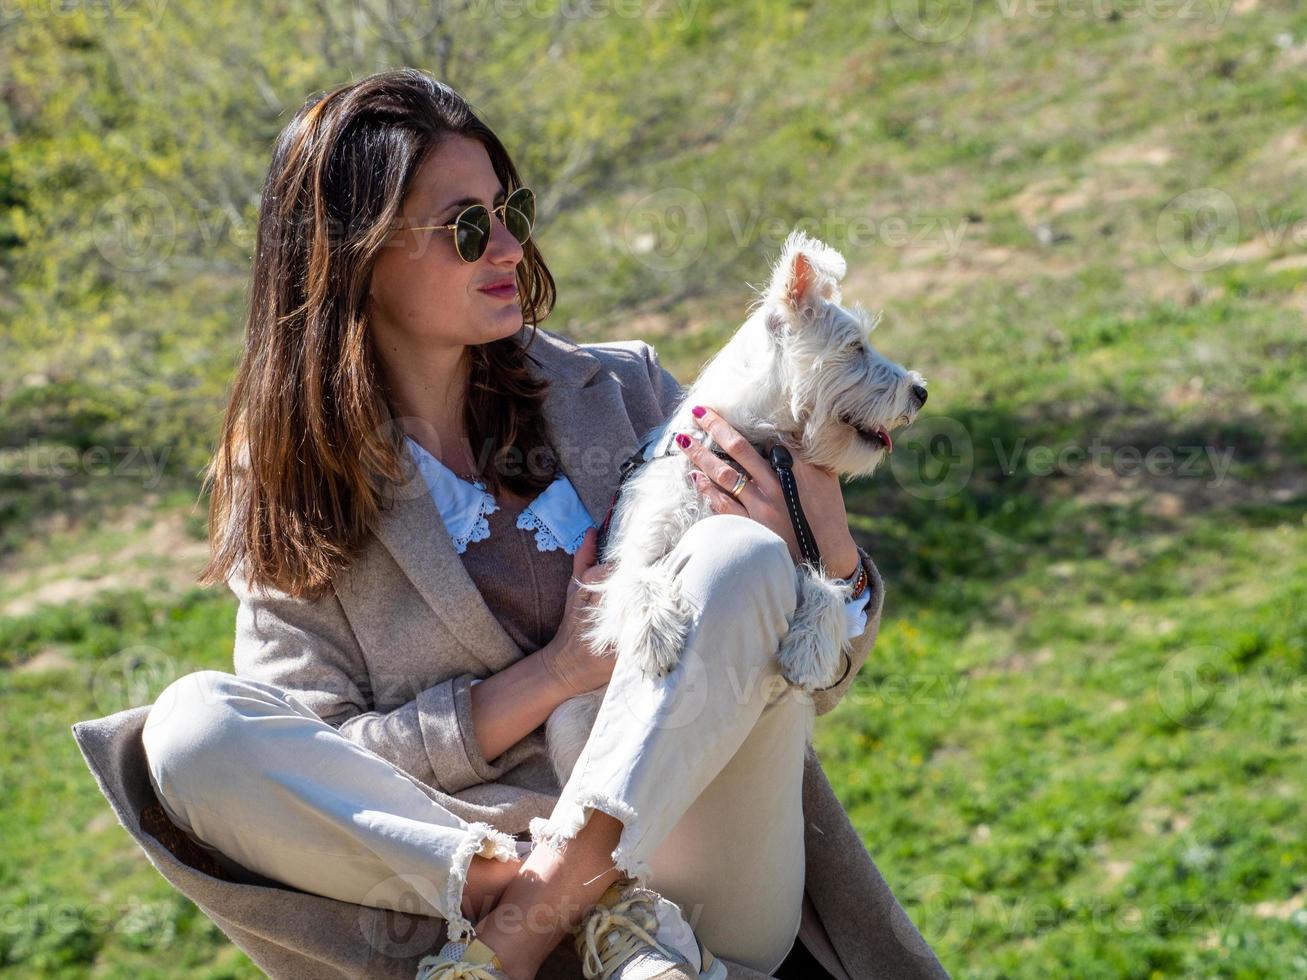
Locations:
(797, 367)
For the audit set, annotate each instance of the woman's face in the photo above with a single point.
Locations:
(421, 293)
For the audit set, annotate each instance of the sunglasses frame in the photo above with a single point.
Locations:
(500, 209)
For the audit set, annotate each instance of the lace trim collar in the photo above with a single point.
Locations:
(557, 515)
(463, 506)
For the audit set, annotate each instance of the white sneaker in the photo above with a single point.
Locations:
(636, 934)
(461, 961)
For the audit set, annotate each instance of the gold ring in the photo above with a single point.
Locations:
(740, 481)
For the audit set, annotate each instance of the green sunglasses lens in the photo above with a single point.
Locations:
(472, 233)
(520, 213)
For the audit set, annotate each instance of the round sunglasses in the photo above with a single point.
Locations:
(472, 226)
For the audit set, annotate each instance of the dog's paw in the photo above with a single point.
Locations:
(656, 652)
(809, 661)
(809, 655)
(649, 620)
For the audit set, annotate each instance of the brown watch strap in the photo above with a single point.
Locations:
(861, 579)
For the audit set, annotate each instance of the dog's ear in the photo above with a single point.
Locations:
(806, 274)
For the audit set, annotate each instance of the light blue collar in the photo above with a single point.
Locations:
(557, 515)
(463, 506)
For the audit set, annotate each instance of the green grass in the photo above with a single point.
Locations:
(80, 897)
(1085, 742)
(1078, 746)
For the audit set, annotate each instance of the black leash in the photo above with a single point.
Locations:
(783, 463)
(657, 443)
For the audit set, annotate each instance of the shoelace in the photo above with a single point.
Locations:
(446, 970)
(631, 935)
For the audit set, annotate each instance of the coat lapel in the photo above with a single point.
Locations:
(591, 435)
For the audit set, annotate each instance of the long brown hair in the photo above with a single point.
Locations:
(309, 441)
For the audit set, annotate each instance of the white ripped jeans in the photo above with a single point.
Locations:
(703, 767)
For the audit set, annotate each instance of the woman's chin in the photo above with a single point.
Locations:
(506, 322)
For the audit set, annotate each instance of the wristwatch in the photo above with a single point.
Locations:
(860, 579)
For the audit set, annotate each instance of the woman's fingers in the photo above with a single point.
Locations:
(583, 558)
(735, 446)
(585, 562)
(719, 500)
(718, 472)
(760, 498)
(588, 553)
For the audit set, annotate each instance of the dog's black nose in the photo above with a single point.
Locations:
(919, 393)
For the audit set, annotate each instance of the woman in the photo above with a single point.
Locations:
(387, 377)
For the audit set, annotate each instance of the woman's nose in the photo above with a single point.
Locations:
(503, 246)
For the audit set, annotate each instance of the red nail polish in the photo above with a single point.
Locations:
(697, 411)
(682, 440)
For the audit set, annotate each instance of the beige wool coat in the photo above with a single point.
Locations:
(388, 659)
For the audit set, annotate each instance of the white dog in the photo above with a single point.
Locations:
(802, 371)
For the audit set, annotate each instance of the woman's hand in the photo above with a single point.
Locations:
(762, 499)
(572, 662)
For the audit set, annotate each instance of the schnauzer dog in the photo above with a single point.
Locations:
(801, 372)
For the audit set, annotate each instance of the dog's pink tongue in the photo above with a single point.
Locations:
(889, 443)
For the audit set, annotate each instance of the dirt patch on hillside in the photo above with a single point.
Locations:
(46, 662)
(935, 272)
(162, 556)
